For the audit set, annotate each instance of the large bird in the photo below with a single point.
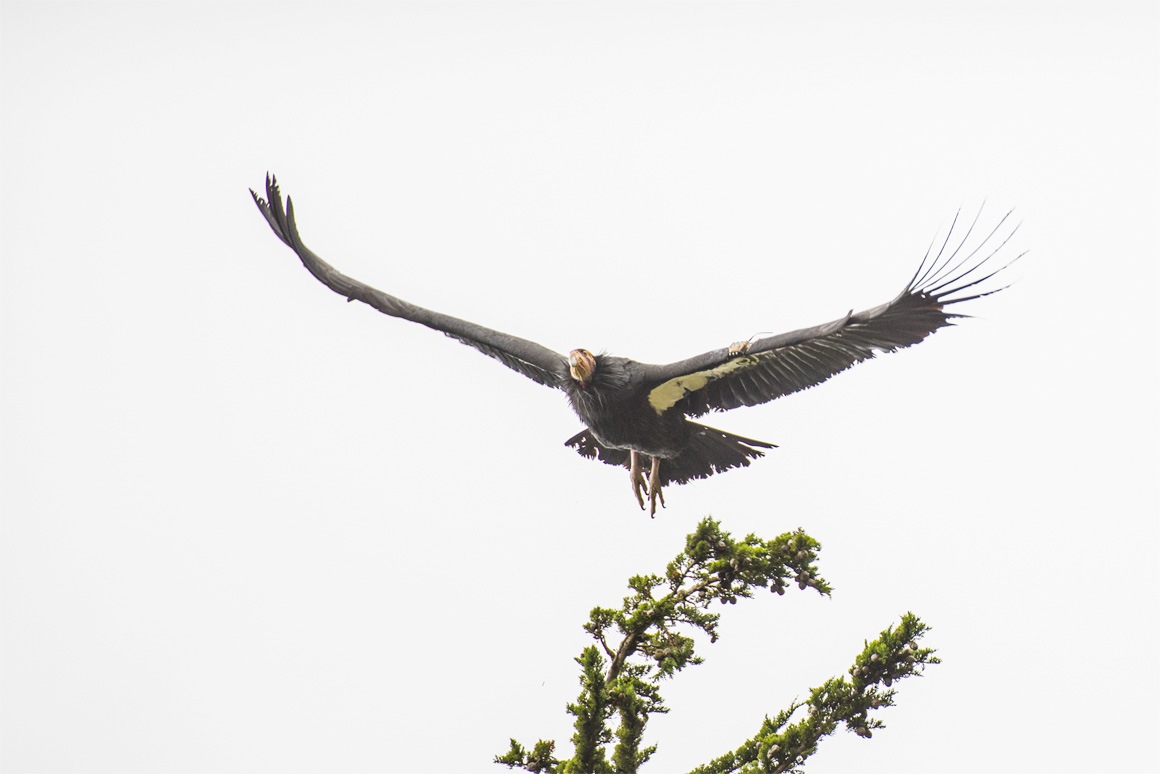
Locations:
(636, 414)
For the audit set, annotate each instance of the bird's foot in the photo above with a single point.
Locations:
(636, 476)
(738, 348)
(654, 488)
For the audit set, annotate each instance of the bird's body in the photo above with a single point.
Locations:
(621, 421)
(614, 407)
(637, 413)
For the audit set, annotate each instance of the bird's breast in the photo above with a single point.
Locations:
(632, 425)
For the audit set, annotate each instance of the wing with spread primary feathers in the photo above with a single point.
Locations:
(771, 367)
(534, 361)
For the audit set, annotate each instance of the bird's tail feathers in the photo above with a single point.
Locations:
(709, 451)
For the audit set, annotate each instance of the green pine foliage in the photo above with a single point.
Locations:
(648, 639)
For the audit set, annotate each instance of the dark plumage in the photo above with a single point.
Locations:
(637, 414)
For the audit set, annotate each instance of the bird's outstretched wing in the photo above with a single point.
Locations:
(534, 361)
(771, 367)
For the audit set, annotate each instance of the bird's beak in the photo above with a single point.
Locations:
(581, 364)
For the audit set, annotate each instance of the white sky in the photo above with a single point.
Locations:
(249, 527)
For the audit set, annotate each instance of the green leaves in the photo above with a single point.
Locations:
(651, 637)
(782, 746)
(592, 714)
(657, 619)
(540, 759)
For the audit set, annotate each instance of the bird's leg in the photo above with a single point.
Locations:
(654, 487)
(636, 476)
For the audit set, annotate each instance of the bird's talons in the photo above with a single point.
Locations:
(640, 485)
(654, 488)
(738, 348)
(653, 497)
(636, 476)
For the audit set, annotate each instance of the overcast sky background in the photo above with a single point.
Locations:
(250, 527)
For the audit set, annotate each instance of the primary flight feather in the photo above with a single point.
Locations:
(636, 414)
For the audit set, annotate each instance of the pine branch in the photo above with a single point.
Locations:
(780, 746)
(713, 567)
(655, 624)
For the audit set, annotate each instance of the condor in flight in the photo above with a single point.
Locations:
(636, 414)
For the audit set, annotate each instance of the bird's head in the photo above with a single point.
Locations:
(581, 364)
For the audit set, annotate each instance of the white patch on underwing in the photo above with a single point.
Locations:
(666, 395)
